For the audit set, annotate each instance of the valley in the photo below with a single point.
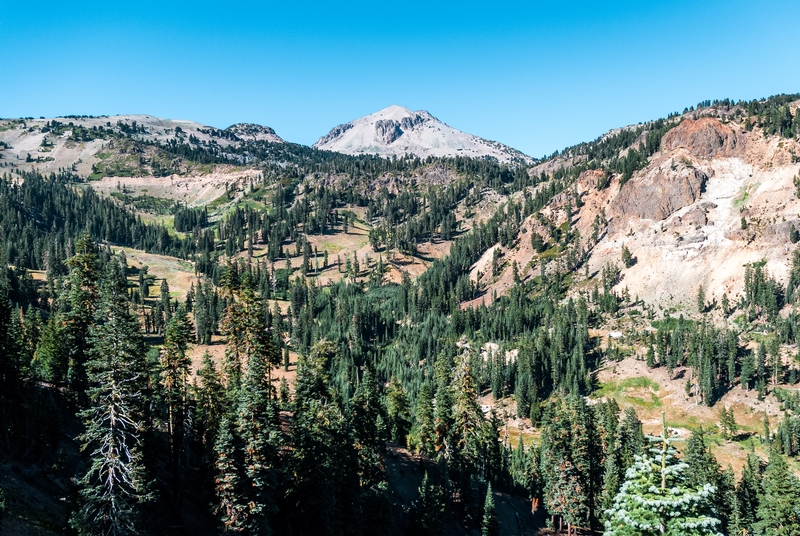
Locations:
(401, 299)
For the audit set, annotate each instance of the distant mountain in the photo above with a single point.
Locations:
(251, 132)
(396, 130)
(121, 144)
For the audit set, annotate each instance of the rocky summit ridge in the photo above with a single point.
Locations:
(398, 131)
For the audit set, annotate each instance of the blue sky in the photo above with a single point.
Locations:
(538, 76)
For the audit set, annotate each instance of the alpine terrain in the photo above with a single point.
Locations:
(397, 131)
(404, 329)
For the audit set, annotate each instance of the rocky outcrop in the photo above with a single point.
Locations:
(387, 130)
(335, 132)
(704, 138)
(660, 192)
(589, 179)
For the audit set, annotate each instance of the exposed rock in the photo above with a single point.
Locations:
(250, 131)
(387, 130)
(589, 179)
(335, 132)
(696, 216)
(397, 131)
(659, 193)
(705, 138)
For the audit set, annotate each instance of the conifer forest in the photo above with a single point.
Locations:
(339, 345)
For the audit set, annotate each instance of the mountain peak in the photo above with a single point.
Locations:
(397, 130)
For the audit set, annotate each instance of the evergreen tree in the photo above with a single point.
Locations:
(748, 370)
(779, 507)
(748, 491)
(423, 433)
(50, 359)
(430, 507)
(229, 482)
(82, 299)
(324, 489)
(656, 497)
(175, 365)
(258, 429)
(489, 524)
(704, 468)
(210, 396)
(701, 299)
(114, 486)
(397, 411)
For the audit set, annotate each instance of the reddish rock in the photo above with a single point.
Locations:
(705, 138)
(660, 192)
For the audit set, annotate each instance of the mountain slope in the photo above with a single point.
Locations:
(396, 130)
(714, 195)
(76, 141)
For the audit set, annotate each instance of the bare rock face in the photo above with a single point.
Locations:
(249, 131)
(387, 130)
(589, 179)
(335, 133)
(660, 192)
(704, 138)
(695, 216)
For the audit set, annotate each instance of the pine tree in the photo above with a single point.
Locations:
(727, 422)
(324, 465)
(210, 396)
(175, 365)
(247, 333)
(430, 507)
(82, 299)
(165, 301)
(423, 433)
(229, 483)
(397, 411)
(489, 524)
(258, 429)
(779, 507)
(748, 491)
(627, 257)
(50, 359)
(701, 299)
(704, 468)
(367, 422)
(114, 486)
(657, 499)
(748, 370)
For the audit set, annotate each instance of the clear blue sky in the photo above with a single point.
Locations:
(535, 75)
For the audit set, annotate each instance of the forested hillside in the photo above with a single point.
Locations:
(405, 345)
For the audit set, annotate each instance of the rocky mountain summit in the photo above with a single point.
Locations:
(396, 130)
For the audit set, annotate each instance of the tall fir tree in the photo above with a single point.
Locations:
(115, 485)
(82, 299)
(489, 523)
(175, 365)
(779, 506)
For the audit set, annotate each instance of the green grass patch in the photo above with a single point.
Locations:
(744, 195)
(639, 382)
(551, 253)
(331, 247)
(218, 202)
(147, 203)
(620, 391)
